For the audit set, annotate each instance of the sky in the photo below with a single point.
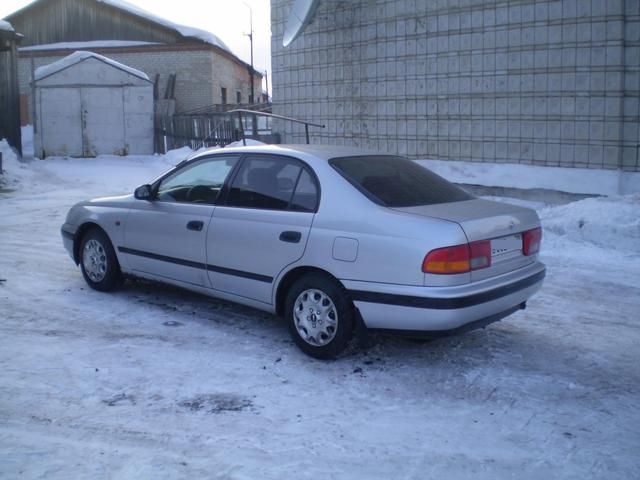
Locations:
(228, 19)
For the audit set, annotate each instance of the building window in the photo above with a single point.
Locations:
(223, 95)
(238, 98)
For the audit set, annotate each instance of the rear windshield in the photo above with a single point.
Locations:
(397, 181)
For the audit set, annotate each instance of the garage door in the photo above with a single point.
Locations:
(60, 111)
(103, 121)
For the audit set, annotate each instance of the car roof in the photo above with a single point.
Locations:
(322, 152)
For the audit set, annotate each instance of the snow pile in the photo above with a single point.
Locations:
(103, 175)
(8, 155)
(508, 175)
(612, 223)
(14, 171)
(250, 143)
(81, 56)
(173, 157)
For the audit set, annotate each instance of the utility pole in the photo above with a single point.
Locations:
(250, 35)
(252, 98)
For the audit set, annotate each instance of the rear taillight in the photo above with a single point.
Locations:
(458, 259)
(447, 260)
(480, 254)
(531, 240)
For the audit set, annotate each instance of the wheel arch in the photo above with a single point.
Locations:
(77, 241)
(290, 278)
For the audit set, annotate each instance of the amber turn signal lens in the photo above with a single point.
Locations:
(458, 259)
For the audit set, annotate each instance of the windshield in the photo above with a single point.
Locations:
(397, 181)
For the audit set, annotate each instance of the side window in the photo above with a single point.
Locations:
(306, 197)
(267, 183)
(199, 182)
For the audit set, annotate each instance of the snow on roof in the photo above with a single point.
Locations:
(80, 56)
(6, 26)
(203, 35)
(87, 45)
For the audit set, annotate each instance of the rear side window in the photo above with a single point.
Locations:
(273, 183)
(305, 199)
(397, 181)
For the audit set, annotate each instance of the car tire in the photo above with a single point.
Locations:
(320, 315)
(98, 261)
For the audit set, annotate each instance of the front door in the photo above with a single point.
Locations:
(166, 237)
(262, 227)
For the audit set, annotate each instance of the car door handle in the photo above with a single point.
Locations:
(290, 237)
(195, 225)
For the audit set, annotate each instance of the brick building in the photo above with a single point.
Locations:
(205, 69)
(553, 83)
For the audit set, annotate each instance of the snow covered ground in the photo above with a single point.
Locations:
(587, 181)
(155, 382)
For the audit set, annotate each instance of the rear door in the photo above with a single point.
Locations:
(263, 225)
(166, 237)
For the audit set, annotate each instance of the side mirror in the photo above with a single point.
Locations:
(143, 192)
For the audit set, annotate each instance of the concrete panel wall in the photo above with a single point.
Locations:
(536, 82)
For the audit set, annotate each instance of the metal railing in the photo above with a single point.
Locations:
(226, 107)
(253, 113)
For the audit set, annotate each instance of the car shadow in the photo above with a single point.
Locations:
(521, 346)
(199, 307)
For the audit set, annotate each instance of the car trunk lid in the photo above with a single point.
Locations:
(501, 223)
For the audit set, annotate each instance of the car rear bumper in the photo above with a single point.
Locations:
(420, 309)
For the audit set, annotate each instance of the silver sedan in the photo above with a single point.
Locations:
(330, 238)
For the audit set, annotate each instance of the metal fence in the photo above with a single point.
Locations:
(208, 129)
(194, 131)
